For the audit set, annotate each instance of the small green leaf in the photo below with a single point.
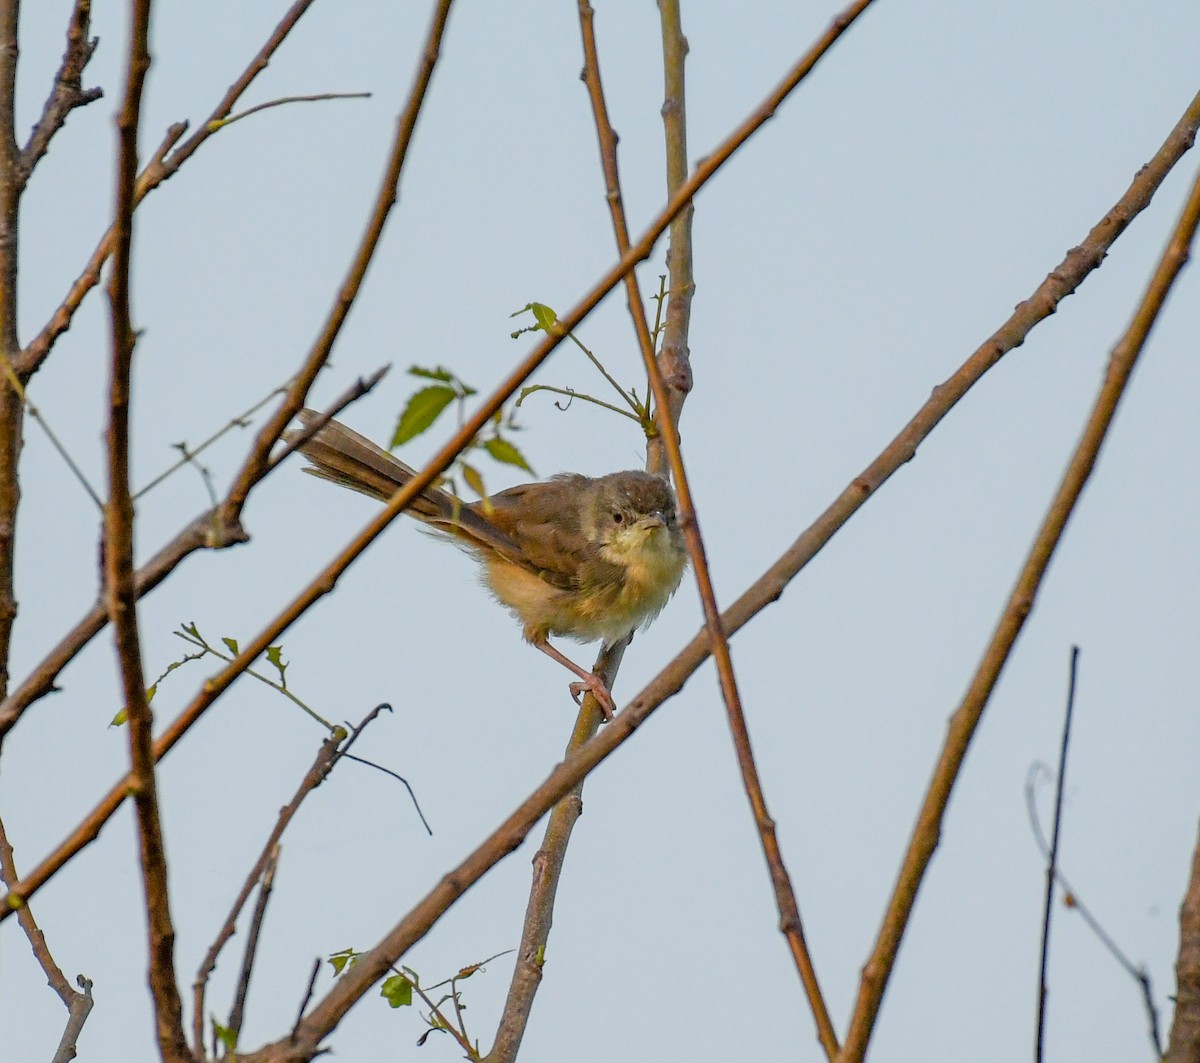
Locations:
(544, 316)
(230, 644)
(120, 719)
(339, 961)
(473, 478)
(397, 991)
(275, 657)
(150, 692)
(225, 1035)
(422, 410)
(439, 373)
(505, 453)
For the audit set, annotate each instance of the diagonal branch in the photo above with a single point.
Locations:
(78, 1005)
(68, 92)
(204, 532)
(257, 464)
(325, 581)
(966, 718)
(322, 765)
(119, 589)
(160, 168)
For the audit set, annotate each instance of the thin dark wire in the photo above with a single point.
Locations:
(1052, 864)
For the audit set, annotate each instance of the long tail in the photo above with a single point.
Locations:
(340, 455)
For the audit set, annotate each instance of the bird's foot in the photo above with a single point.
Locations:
(594, 685)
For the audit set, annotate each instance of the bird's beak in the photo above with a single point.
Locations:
(652, 521)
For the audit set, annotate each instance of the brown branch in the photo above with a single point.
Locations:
(89, 829)
(257, 463)
(966, 718)
(119, 588)
(237, 1013)
(315, 98)
(326, 757)
(204, 532)
(68, 92)
(78, 1005)
(11, 412)
(159, 169)
(674, 356)
(1184, 1043)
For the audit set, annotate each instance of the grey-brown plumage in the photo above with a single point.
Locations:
(588, 558)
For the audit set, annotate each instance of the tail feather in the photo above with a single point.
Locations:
(342, 456)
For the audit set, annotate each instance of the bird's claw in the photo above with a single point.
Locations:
(595, 686)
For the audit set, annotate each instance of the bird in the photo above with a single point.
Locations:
(579, 557)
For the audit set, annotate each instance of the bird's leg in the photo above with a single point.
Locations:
(591, 681)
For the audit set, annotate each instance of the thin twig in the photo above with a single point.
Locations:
(242, 420)
(1052, 856)
(78, 1005)
(1075, 901)
(8, 373)
(67, 92)
(237, 1013)
(218, 123)
(159, 169)
(203, 532)
(118, 568)
(325, 759)
(966, 718)
(308, 995)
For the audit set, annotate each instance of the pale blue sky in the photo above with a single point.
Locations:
(924, 180)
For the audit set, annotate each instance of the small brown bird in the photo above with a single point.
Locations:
(581, 557)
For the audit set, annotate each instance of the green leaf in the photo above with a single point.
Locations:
(275, 657)
(544, 316)
(150, 692)
(397, 991)
(439, 373)
(120, 719)
(339, 961)
(473, 478)
(225, 1035)
(505, 453)
(422, 410)
(230, 644)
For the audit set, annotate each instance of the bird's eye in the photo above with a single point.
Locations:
(618, 516)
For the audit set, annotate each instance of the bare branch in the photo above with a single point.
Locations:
(237, 1014)
(11, 413)
(119, 585)
(159, 169)
(204, 532)
(78, 1005)
(68, 92)
(1184, 1043)
(222, 122)
(1139, 975)
(326, 757)
(1052, 857)
(966, 718)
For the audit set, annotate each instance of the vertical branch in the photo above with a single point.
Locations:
(674, 358)
(11, 412)
(1060, 786)
(1184, 1045)
(963, 723)
(120, 592)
